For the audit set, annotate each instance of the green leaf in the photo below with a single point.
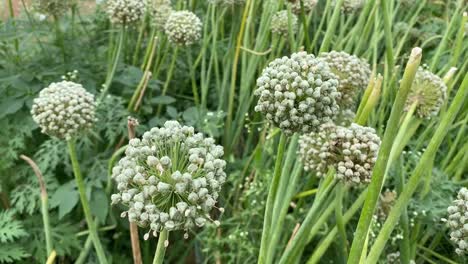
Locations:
(10, 229)
(99, 204)
(163, 99)
(66, 198)
(12, 253)
(172, 112)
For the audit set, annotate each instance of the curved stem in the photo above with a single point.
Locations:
(84, 202)
(161, 248)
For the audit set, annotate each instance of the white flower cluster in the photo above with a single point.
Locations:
(458, 221)
(428, 91)
(64, 109)
(125, 11)
(160, 12)
(170, 179)
(297, 93)
(351, 151)
(280, 23)
(353, 73)
(308, 5)
(183, 28)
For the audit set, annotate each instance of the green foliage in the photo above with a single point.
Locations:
(10, 231)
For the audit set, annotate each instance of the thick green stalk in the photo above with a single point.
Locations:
(459, 41)
(84, 202)
(84, 253)
(269, 209)
(161, 248)
(418, 173)
(331, 27)
(405, 243)
(388, 36)
(384, 153)
(342, 240)
(305, 25)
(329, 239)
(115, 62)
(294, 250)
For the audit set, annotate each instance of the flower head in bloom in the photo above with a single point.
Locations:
(353, 73)
(170, 178)
(53, 7)
(308, 5)
(125, 11)
(64, 109)
(428, 92)
(280, 23)
(351, 151)
(458, 221)
(297, 93)
(183, 28)
(160, 11)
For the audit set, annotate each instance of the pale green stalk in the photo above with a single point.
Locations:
(84, 202)
(418, 173)
(270, 203)
(381, 163)
(330, 238)
(161, 247)
(331, 27)
(459, 41)
(388, 37)
(342, 242)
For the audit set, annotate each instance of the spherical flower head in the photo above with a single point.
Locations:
(183, 28)
(160, 12)
(297, 93)
(351, 151)
(428, 92)
(125, 11)
(53, 7)
(280, 23)
(170, 178)
(351, 6)
(458, 222)
(352, 72)
(308, 6)
(64, 110)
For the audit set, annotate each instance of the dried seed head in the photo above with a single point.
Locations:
(64, 109)
(297, 93)
(160, 11)
(351, 151)
(280, 23)
(170, 178)
(308, 6)
(53, 7)
(183, 28)
(458, 222)
(125, 11)
(352, 72)
(428, 92)
(351, 6)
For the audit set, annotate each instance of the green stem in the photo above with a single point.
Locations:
(342, 241)
(115, 62)
(459, 41)
(169, 76)
(270, 203)
(418, 173)
(84, 202)
(331, 27)
(305, 25)
(328, 240)
(294, 250)
(381, 163)
(84, 253)
(388, 36)
(161, 248)
(45, 219)
(60, 38)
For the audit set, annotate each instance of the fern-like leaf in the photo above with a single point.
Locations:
(10, 229)
(12, 253)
